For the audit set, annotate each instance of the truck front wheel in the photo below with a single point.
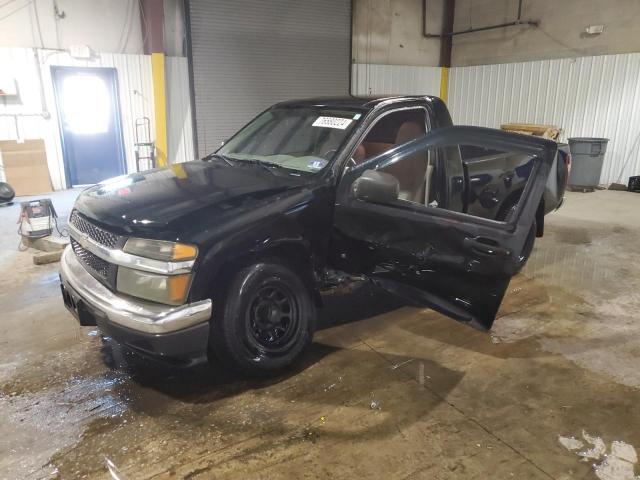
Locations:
(264, 320)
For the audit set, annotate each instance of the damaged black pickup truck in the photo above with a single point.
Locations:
(228, 255)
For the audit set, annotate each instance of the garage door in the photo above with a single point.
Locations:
(249, 54)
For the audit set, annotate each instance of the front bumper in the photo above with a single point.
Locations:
(162, 330)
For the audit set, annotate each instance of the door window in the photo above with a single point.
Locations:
(460, 179)
(87, 104)
(390, 131)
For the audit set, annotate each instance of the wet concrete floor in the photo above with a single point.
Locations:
(386, 391)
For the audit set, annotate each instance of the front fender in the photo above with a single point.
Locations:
(295, 232)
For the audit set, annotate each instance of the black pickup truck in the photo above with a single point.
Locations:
(228, 255)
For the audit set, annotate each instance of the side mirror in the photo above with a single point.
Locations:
(377, 187)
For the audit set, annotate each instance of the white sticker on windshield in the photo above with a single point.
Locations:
(332, 122)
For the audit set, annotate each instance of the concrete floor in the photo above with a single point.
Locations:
(385, 392)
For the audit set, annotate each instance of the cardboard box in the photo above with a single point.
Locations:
(545, 131)
(25, 166)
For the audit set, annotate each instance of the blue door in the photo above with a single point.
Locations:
(89, 118)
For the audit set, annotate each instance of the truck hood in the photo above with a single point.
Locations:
(167, 201)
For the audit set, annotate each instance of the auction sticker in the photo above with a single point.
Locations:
(332, 122)
(316, 164)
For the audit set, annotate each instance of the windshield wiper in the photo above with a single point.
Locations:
(232, 161)
(217, 155)
(266, 165)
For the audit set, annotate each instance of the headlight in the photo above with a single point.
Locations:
(161, 250)
(168, 289)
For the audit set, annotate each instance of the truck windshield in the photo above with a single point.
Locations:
(305, 139)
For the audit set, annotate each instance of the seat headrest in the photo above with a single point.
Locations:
(409, 131)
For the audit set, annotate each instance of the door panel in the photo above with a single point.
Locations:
(456, 263)
(89, 119)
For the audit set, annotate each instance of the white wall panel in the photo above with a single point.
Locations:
(24, 119)
(135, 89)
(371, 79)
(21, 64)
(106, 26)
(587, 97)
(179, 120)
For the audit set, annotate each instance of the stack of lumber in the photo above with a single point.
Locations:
(545, 131)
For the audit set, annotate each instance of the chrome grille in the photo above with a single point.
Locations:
(94, 232)
(92, 262)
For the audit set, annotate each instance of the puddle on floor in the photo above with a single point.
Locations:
(64, 410)
(579, 297)
(36, 425)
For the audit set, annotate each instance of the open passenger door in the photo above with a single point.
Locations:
(453, 262)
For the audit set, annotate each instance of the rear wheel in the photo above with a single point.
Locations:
(264, 321)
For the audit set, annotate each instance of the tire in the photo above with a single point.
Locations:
(6, 193)
(504, 216)
(265, 320)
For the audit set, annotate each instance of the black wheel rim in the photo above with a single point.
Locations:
(272, 320)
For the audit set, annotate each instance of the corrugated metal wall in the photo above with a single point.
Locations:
(134, 85)
(179, 121)
(588, 96)
(248, 55)
(371, 79)
(23, 119)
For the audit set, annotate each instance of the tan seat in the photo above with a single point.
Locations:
(410, 172)
(360, 154)
(376, 148)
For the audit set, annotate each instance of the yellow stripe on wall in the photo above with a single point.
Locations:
(160, 104)
(444, 83)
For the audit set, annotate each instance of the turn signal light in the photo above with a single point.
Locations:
(182, 251)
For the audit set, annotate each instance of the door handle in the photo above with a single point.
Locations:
(485, 246)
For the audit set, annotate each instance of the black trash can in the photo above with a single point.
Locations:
(587, 155)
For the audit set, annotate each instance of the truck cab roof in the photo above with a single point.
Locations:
(366, 103)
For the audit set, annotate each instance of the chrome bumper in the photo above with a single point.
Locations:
(134, 314)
